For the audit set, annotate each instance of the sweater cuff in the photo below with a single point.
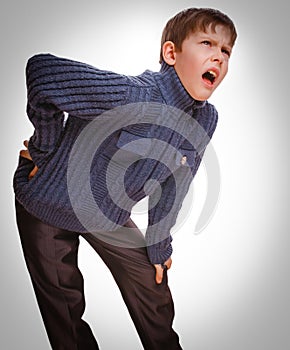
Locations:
(38, 157)
(160, 252)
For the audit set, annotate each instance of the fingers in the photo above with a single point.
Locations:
(25, 153)
(33, 172)
(159, 268)
(159, 273)
(168, 263)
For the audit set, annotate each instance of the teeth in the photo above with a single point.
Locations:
(213, 73)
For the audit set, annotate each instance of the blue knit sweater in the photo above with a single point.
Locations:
(57, 195)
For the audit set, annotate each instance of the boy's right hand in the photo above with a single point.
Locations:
(24, 153)
(160, 270)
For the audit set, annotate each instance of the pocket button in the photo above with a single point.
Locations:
(183, 160)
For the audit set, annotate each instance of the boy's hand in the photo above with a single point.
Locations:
(160, 269)
(25, 154)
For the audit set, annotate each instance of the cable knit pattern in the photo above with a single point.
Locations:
(56, 85)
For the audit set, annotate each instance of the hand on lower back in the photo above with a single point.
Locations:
(25, 154)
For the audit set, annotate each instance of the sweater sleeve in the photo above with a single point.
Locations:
(163, 215)
(58, 84)
(48, 129)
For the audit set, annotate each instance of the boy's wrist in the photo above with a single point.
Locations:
(159, 253)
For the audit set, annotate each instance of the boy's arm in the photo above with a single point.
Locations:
(163, 211)
(57, 84)
(163, 214)
(48, 128)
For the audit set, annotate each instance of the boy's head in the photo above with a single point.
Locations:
(198, 43)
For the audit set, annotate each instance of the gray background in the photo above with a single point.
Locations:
(231, 282)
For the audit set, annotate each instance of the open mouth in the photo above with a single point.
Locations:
(209, 76)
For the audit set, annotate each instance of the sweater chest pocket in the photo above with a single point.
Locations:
(130, 147)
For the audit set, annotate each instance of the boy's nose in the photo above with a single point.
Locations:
(218, 56)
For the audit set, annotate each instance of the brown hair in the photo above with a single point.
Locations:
(191, 20)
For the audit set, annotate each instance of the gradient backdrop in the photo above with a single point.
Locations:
(231, 282)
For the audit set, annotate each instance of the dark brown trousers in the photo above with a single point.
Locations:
(51, 257)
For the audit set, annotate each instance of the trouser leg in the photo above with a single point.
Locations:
(51, 257)
(150, 305)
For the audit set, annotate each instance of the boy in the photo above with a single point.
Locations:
(195, 50)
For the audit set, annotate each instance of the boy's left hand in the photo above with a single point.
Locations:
(25, 154)
(160, 269)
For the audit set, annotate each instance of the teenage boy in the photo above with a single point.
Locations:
(195, 51)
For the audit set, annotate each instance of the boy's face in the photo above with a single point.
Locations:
(203, 61)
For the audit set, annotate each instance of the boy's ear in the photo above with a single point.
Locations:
(169, 53)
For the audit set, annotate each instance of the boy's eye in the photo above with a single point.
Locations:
(206, 42)
(227, 52)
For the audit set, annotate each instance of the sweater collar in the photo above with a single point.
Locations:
(173, 91)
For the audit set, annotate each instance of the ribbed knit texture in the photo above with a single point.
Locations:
(55, 85)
